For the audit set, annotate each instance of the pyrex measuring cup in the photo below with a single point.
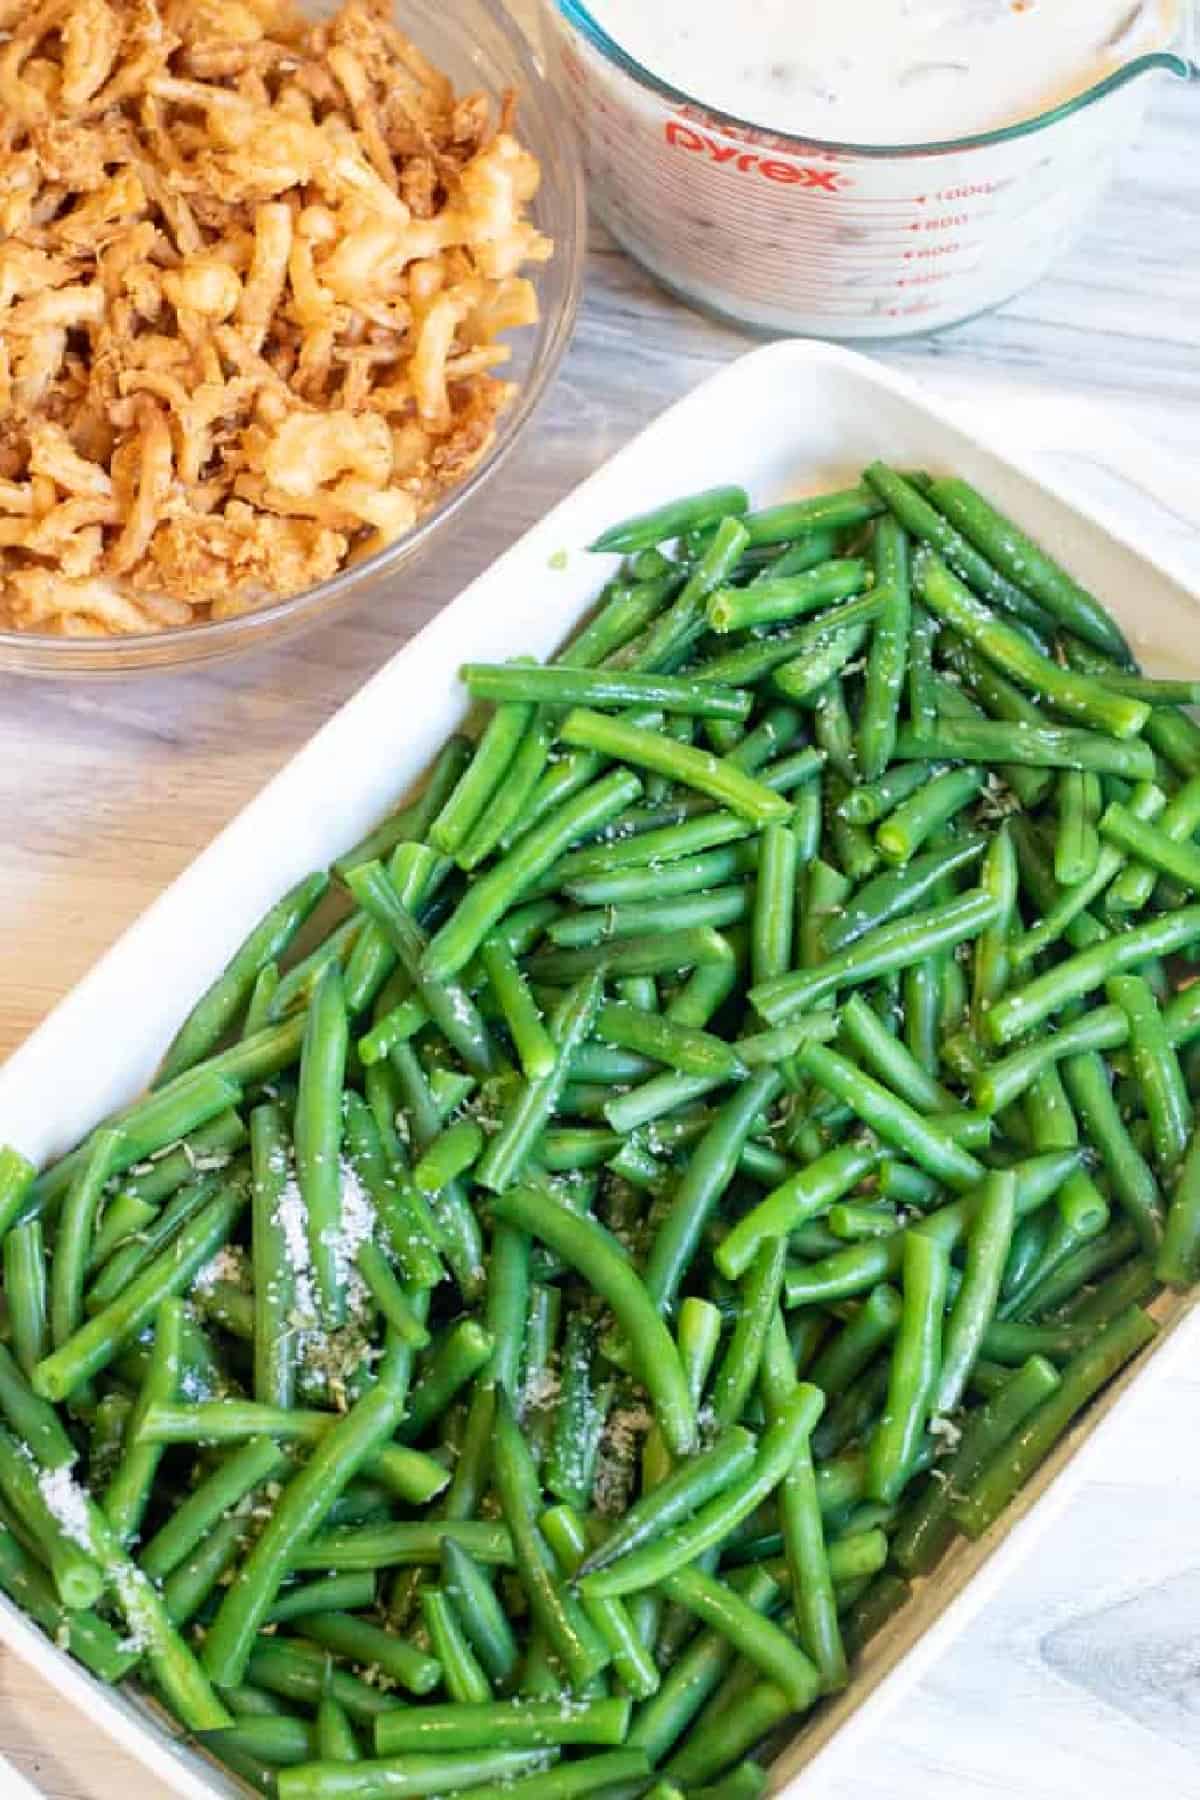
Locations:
(838, 240)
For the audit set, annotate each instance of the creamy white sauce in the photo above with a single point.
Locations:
(885, 71)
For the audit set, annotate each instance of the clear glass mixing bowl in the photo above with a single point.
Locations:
(477, 44)
(833, 240)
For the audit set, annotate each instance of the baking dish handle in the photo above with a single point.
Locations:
(1072, 426)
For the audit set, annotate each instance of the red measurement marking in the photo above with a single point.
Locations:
(748, 162)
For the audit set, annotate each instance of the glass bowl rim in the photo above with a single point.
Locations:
(578, 15)
(181, 646)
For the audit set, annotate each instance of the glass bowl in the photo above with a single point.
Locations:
(834, 240)
(477, 44)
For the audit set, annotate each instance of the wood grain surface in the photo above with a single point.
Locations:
(1082, 1681)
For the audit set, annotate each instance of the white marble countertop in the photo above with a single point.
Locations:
(1082, 1682)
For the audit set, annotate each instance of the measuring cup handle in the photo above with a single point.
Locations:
(1077, 427)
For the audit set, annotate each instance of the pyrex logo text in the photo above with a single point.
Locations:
(686, 137)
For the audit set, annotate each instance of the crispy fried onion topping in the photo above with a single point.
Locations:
(253, 271)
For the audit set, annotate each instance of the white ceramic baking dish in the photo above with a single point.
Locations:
(785, 419)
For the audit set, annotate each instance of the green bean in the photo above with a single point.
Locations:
(528, 1032)
(678, 517)
(464, 1350)
(83, 1633)
(926, 1530)
(1179, 1252)
(813, 1602)
(688, 912)
(410, 1228)
(915, 1367)
(1021, 1011)
(897, 891)
(853, 847)
(194, 1580)
(651, 1562)
(887, 659)
(682, 1047)
(692, 1484)
(986, 693)
(318, 1137)
(718, 1742)
(602, 688)
(211, 1147)
(925, 1140)
(144, 1128)
(1060, 1291)
(216, 1010)
(274, 1278)
(33, 1422)
(989, 1236)
(301, 1673)
(448, 1004)
(574, 1438)
(1088, 1371)
(482, 777)
(874, 800)
(767, 1647)
(401, 1545)
(597, 1256)
(676, 629)
(278, 1742)
(335, 1737)
(479, 1612)
(77, 1578)
(1029, 746)
(495, 892)
(371, 1646)
(1144, 803)
(16, 1183)
(1018, 558)
(1077, 845)
(627, 607)
(104, 1336)
(739, 1370)
(306, 1499)
(632, 1663)
(526, 1117)
(1152, 845)
(774, 903)
(296, 984)
(792, 519)
(128, 1492)
(503, 1724)
(258, 1014)
(704, 1181)
(73, 1239)
(852, 1223)
(415, 872)
(886, 947)
(802, 1196)
(693, 768)
(448, 1772)
(925, 522)
(1079, 696)
(908, 825)
(122, 1218)
(647, 850)
(25, 1291)
(869, 1037)
(555, 1609)
(778, 597)
(1156, 1070)
(451, 1154)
